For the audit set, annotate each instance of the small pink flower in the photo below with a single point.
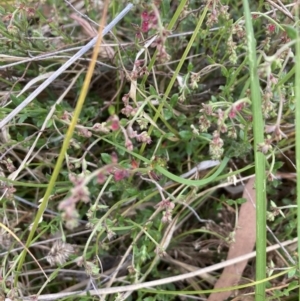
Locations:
(232, 113)
(167, 217)
(144, 137)
(216, 140)
(138, 35)
(66, 116)
(7, 18)
(166, 204)
(139, 63)
(152, 17)
(76, 179)
(128, 144)
(149, 20)
(145, 15)
(239, 107)
(109, 169)
(125, 98)
(114, 158)
(127, 110)
(101, 178)
(30, 11)
(145, 26)
(120, 174)
(81, 193)
(265, 147)
(115, 125)
(84, 132)
(68, 204)
(101, 127)
(114, 122)
(271, 28)
(235, 108)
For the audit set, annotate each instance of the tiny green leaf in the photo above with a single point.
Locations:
(290, 31)
(174, 100)
(152, 90)
(106, 158)
(185, 135)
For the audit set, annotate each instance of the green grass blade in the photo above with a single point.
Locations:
(297, 134)
(260, 183)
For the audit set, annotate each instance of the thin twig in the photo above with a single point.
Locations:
(81, 14)
(283, 10)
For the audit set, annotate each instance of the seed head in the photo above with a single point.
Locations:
(59, 253)
(5, 239)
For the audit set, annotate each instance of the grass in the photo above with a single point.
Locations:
(123, 171)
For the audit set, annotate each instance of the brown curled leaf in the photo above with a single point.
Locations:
(245, 237)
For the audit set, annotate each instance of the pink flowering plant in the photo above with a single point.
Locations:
(137, 169)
